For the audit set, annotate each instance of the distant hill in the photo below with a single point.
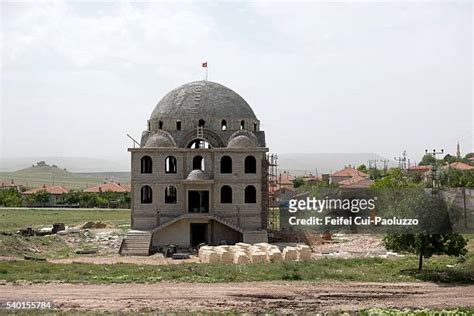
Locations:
(323, 162)
(36, 176)
(73, 164)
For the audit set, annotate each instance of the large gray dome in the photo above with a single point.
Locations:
(202, 99)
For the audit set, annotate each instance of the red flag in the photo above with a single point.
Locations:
(204, 65)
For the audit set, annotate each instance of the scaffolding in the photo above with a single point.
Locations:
(273, 213)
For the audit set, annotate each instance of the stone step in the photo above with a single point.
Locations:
(136, 243)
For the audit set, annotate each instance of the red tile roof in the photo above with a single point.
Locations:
(419, 168)
(460, 166)
(349, 172)
(109, 187)
(362, 184)
(8, 184)
(51, 189)
(285, 178)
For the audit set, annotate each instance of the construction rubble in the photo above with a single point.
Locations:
(242, 253)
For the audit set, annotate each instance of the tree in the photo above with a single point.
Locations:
(10, 197)
(73, 197)
(427, 160)
(298, 182)
(363, 168)
(395, 178)
(455, 178)
(425, 246)
(467, 156)
(449, 159)
(40, 197)
(400, 196)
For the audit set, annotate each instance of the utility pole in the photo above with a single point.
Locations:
(434, 175)
(385, 164)
(373, 163)
(402, 161)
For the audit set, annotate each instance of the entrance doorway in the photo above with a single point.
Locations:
(198, 234)
(198, 201)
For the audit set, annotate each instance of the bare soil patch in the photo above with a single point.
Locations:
(252, 297)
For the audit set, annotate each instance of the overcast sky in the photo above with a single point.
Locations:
(346, 77)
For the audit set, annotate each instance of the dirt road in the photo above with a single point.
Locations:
(244, 297)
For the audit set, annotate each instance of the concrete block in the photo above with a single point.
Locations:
(243, 245)
(304, 252)
(224, 255)
(241, 258)
(204, 249)
(257, 257)
(274, 255)
(290, 253)
(209, 256)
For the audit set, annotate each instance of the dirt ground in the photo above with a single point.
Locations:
(252, 297)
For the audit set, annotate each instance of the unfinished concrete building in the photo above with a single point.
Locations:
(200, 173)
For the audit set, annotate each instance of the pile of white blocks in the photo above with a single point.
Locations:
(242, 253)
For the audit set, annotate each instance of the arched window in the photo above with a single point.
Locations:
(170, 164)
(255, 127)
(226, 164)
(224, 125)
(250, 194)
(226, 194)
(198, 163)
(170, 195)
(146, 164)
(160, 124)
(199, 143)
(146, 195)
(242, 124)
(201, 123)
(250, 164)
(178, 125)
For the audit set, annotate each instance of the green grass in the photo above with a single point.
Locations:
(12, 219)
(364, 270)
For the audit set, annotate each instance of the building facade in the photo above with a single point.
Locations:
(200, 173)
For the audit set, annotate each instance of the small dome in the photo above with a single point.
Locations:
(197, 174)
(158, 141)
(241, 141)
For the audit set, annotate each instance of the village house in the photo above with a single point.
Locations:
(348, 173)
(56, 195)
(6, 185)
(459, 166)
(471, 161)
(109, 187)
(285, 180)
(120, 197)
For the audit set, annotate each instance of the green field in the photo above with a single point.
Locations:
(364, 270)
(12, 219)
(441, 269)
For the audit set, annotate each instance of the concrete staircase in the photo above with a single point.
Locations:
(200, 216)
(136, 243)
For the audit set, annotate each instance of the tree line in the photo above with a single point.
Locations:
(74, 198)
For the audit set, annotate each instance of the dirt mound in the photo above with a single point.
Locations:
(98, 224)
